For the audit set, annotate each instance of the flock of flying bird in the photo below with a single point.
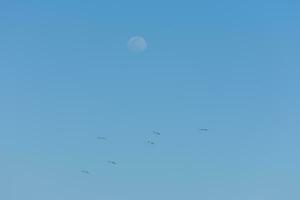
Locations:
(111, 162)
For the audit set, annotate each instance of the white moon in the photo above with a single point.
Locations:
(137, 44)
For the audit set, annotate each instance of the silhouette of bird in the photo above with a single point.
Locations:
(101, 138)
(150, 142)
(112, 162)
(85, 172)
(156, 133)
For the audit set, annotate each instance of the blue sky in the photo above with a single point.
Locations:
(67, 77)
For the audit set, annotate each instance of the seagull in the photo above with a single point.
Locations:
(112, 162)
(156, 133)
(85, 172)
(101, 138)
(150, 142)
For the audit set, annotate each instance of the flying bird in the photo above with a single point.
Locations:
(101, 138)
(85, 172)
(156, 133)
(150, 142)
(112, 162)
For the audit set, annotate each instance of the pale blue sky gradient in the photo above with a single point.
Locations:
(67, 76)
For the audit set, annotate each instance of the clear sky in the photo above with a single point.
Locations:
(67, 77)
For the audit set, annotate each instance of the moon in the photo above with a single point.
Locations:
(137, 44)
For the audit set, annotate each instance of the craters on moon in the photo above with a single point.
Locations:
(137, 44)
